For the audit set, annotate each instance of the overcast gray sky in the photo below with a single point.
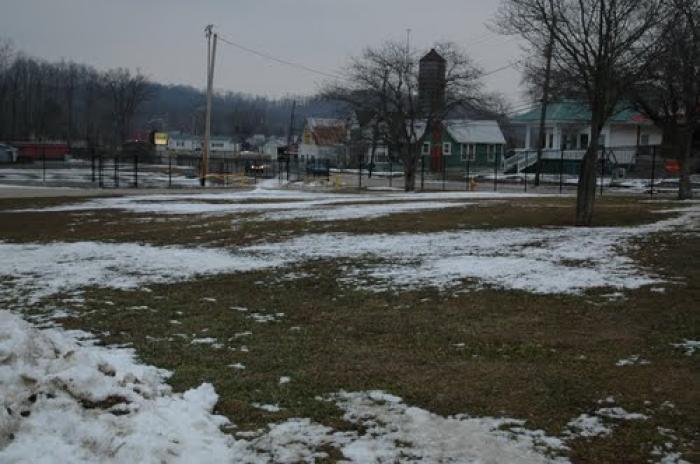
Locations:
(165, 39)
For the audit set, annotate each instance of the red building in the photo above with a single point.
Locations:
(40, 150)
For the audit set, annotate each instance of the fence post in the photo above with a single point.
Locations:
(422, 172)
(527, 156)
(43, 162)
(391, 173)
(99, 171)
(136, 171)
(495, 172)
(602, 171)
(359, 175)
(92, 163)
(444, 172)
(561, 171)
(467, 178)
(653, 171)
(170, 170)
(116, 171)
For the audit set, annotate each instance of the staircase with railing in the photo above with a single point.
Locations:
(520, 160)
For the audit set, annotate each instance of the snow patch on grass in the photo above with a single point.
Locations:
(66, 399)
(634, 360)
(587, 426)
(689, 346)
(50, 268)
(563, 260)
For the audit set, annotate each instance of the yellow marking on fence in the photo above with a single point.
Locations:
(231, 179)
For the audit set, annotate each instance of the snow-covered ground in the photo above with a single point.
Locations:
(80, 174)
(67, 399)
(555, 260)
(38, 270)
(279, 204)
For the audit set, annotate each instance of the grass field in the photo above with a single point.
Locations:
(325, 321)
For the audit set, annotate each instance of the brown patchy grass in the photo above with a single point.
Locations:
(544, 358)
(234, 230)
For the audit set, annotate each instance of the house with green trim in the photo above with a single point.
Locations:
(567, 134)
(480, 144)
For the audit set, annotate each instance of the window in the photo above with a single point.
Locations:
(447, 148)
(217, 145)
(601, 140)
(491, 151)
(583, 141)
(469, 151)
(644, 140)
(180, 144)
(426, 148)
(550, 141)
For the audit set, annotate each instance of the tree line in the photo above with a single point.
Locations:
(76, 103)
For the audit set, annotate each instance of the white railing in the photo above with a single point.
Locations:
(524, 158)
(520, 161)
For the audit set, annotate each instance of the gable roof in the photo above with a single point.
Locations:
(469, 131)
(576, 112)
(327, 131)
(433, 55)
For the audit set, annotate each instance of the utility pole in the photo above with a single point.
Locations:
(211, 58)
(543, 109)
(290, 134)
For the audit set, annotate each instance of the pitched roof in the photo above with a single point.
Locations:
(576, 112)
(432, 55)
(468, 131)
(327, 131)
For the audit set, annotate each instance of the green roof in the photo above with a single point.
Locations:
(574, 112)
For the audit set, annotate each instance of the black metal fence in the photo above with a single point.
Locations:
(637, 169)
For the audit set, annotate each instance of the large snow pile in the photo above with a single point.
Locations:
(64, 399)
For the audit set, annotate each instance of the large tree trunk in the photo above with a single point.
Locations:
(685, 160)
(410, 166)
(585, 198)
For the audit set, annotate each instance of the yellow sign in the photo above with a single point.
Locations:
(160, 138)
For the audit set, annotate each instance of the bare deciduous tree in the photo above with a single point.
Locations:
(127, 93)
(602, 47)
(671, 94)
(383, 83)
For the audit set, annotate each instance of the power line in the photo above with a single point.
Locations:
(497, 70)
(317, 71)
(279, 60)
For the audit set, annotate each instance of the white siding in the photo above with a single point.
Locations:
(626, 136)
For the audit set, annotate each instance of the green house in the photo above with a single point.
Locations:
(462, 142)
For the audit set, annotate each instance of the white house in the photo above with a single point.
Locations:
(568, 133)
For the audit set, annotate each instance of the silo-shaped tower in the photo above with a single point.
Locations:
(431, 83)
